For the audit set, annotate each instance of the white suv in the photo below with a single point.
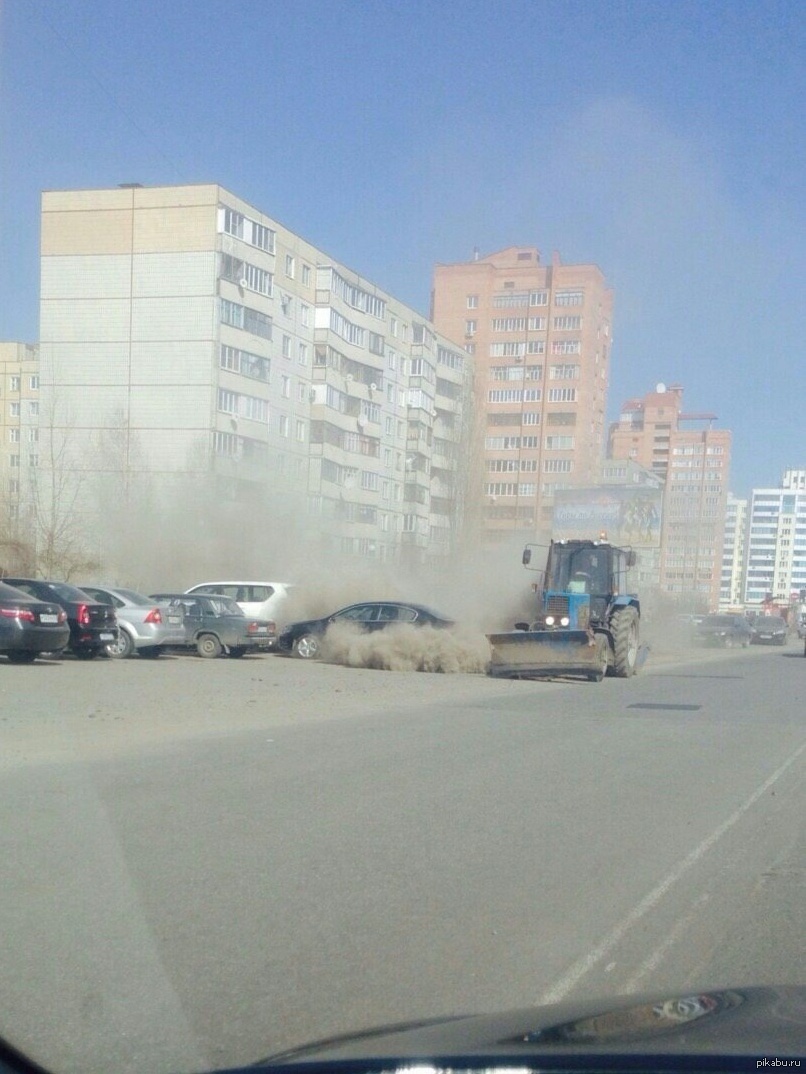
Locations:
(258, 600)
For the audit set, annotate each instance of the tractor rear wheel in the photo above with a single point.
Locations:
(624, 627)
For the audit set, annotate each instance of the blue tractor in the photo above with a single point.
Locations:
(587, 622)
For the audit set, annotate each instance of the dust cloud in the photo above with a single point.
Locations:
(407, 648)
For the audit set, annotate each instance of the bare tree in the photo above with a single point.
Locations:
(55, 486)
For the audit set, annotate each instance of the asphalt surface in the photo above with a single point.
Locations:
(203, 862)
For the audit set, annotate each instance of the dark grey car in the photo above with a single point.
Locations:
(724, 631)
(216, 625)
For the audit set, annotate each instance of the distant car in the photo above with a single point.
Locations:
(261, 600)
(723, 630)
(769, 630)
(29, 627)
(143, 626)
(216, 625)
(305, 638)
(93, 624)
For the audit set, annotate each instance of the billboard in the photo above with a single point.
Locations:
(627, 515)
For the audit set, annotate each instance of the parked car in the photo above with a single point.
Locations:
(769, 630)
(143, 626)
(305, 638)
(260, 600)
(29, 627)
(93, 624)
(724, 630)
(216, 625)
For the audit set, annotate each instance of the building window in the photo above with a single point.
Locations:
(558, 466)
(33, 460)
(472, 302)
(290, 266)
(14, 436)
(33, 384)
(306, 275)
(286, 387)
(567, 323)
(530, 417)
(471, 327)
(14, 410)
(560, 443)
(470, 348)
(562, 395)
(33, 408)
(564, 372)
(301, 432)
(302, 353)
(286, 346)
(33, 436)
(569, 298)
(13, 384)
(284, 425)
(14, 461)
(305, 315)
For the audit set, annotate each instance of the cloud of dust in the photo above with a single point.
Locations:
(407, 648)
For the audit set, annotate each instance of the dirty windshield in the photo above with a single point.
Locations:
(314, 314)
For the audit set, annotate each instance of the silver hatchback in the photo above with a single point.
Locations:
(145, 626)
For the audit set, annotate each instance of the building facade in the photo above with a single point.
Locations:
(186, 334)
(731, 592)
(540, 339)
(693, 458)
(776, 541)
(19, 445)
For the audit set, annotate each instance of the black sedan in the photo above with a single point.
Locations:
(769, 630)
(29, 627)
(305, 638)
(724, 631)
(216, 625)
(92, 625)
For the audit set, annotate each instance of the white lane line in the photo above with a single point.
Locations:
(654, 960)
(584, 965)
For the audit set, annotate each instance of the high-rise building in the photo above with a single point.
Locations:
(694, 459)
(776, 542)
(186, 334)
(540, 337)
(19, 445)
(731, 593)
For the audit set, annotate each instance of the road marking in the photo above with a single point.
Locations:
(674, 934)
(584, 965)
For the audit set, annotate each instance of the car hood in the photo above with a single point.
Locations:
(305, 624)
(742, 1021)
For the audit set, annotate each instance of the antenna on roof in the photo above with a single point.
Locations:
(475, 253)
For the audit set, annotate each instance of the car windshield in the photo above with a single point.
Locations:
(133, 597)
(373, 297)
(62, 591)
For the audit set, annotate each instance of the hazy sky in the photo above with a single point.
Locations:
(663, 141)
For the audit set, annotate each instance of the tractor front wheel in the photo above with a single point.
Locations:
(624, 628)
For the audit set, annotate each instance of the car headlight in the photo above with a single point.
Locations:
(565, 621)
(549, 620)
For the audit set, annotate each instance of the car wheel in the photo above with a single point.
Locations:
(151, 652)
(21, 657)
(208, 646)
(236, 651)
(123, 647)
(307, 647)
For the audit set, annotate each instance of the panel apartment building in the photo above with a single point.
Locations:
(776, 542)
(19, 445)
(540, 338)
(199, 336)
(693, 458)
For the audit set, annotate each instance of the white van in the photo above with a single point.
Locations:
(258, 600)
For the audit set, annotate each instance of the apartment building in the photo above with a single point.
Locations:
(776, 541)
(540, 338)
(693, 458)
(187, 334)
(19, 437)
(731, 592)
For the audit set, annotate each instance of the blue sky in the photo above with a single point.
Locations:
(663, 141)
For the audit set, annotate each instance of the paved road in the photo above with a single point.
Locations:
(204, 862)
